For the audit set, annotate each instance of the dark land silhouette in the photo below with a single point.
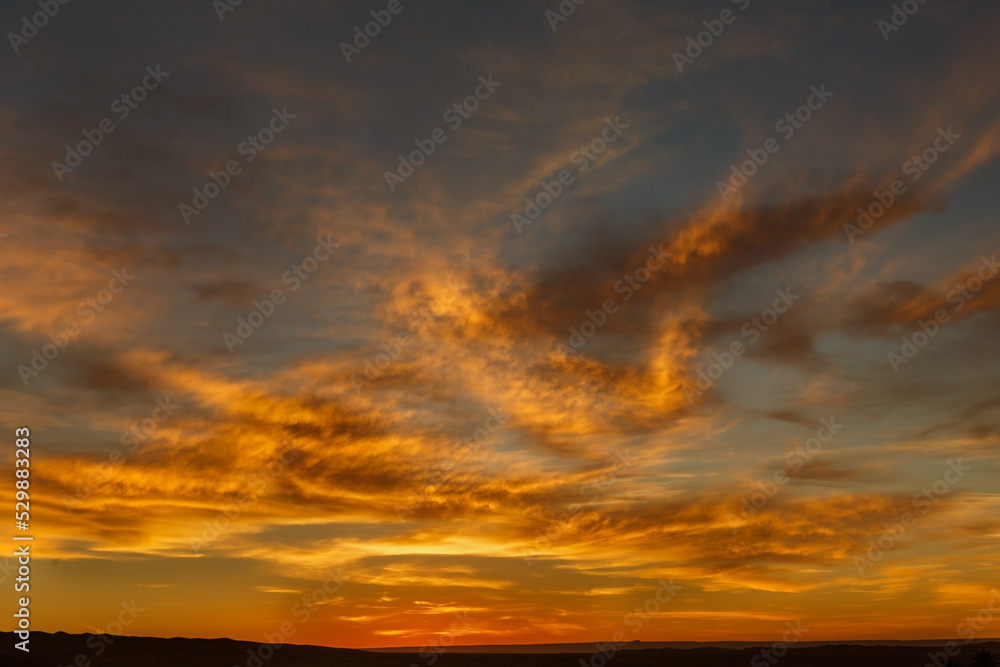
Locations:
(61, 649)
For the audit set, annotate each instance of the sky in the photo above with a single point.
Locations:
(503, 325)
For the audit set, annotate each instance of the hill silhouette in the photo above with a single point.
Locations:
(62, 649)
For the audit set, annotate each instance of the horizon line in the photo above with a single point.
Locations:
(630, 643)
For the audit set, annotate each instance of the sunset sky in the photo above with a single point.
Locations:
(469, 405)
